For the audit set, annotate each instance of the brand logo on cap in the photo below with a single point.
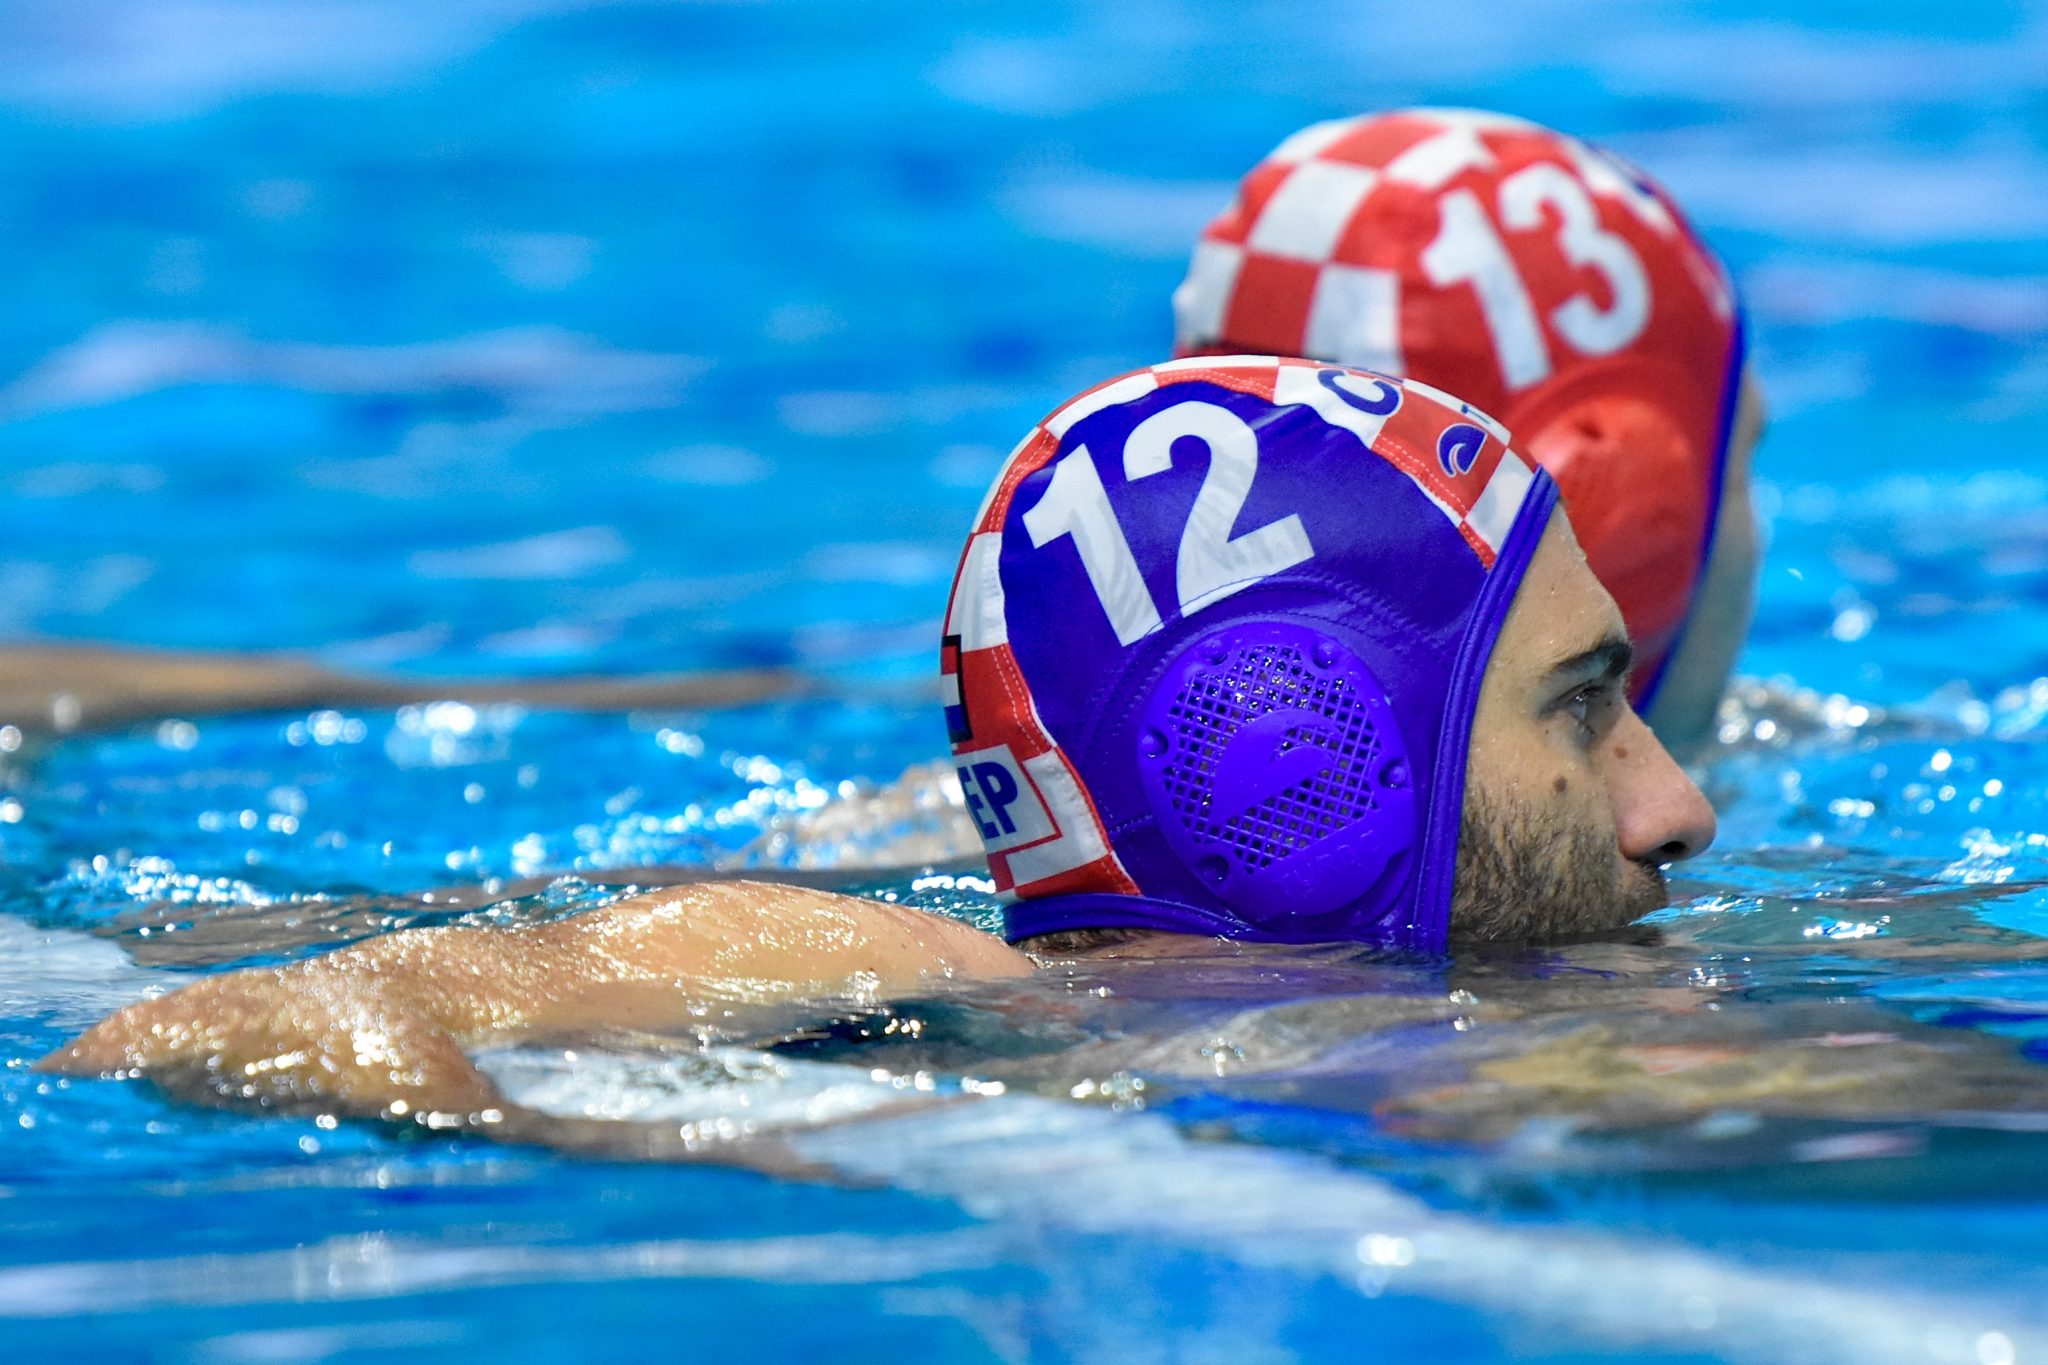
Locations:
(1458, 447)
(1002, 799)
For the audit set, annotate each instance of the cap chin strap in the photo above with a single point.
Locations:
(1112, 910)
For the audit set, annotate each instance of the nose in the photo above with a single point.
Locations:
(1660, 814)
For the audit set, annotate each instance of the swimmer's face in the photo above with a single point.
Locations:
(1571, 804)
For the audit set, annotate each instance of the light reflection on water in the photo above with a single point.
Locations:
(540, 337)
(1841, 1014)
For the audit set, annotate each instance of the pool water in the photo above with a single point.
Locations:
(530, 337)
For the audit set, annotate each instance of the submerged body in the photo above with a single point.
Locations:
(383, 1029)
(1601, 1037)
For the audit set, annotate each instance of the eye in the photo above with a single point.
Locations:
(1579, 706)
(1590, 710)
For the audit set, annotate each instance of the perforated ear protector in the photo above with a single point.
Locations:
(1215, 646)
(1277, 769)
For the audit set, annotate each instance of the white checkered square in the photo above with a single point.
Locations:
(1311, 141)
(1079, 840)
(978, 613)
(1204, 296)
(1493, 516)
(1440, 158)
(1354, 318)
(1131, 386)
(1309, 212)
(1217, 362)
(1304, 384)
(1605, 174)
(1459, 405)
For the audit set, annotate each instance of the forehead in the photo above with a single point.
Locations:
(1560, 610)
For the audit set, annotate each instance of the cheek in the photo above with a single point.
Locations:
(1575, 794)
(1586, 805)
(1522, 764)
(1545, 775)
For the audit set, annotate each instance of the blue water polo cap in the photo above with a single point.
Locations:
(1215, 644)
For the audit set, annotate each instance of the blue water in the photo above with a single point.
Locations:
(530, 337)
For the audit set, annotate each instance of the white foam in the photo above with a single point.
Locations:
(1042, 1160)
(374, 1266)
(719, 1086)
(69, 977)
(1035, 1161)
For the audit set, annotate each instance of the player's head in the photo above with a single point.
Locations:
(1290, 652)
(1551, 284)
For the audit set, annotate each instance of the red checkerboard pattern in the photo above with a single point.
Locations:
(1521, 269)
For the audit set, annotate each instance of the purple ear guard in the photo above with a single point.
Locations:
(1217, 644)
(1276, 769)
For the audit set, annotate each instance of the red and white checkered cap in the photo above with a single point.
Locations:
(1542, 279)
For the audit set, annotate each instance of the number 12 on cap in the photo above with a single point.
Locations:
(1212, 563)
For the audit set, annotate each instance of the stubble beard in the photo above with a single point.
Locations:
(1525, 874)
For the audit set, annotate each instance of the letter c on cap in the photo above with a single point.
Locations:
(1381, 404)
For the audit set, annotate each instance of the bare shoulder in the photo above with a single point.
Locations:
(794, 936)
(430, 991)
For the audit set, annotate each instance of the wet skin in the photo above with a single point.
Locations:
(1572, 806)
(379, 1029)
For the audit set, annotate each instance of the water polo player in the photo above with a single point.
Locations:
(1245, 648)
(1553, 285)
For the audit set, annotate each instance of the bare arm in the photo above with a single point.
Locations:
(378, 1029)
(70, 687)
(175, 933)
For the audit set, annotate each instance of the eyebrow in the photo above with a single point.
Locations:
(1607, 661)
